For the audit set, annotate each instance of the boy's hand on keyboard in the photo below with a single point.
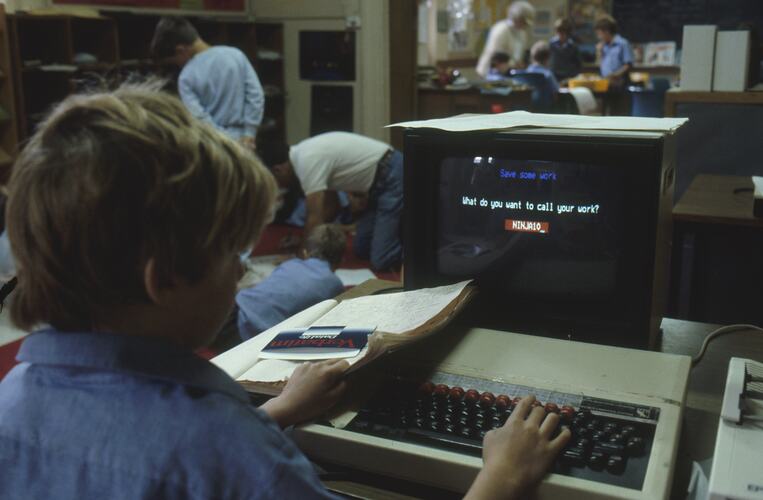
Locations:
(518, 455)
(312, 389)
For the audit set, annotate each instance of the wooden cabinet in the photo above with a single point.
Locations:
(8, 131)
(55, 55)
(268, 62)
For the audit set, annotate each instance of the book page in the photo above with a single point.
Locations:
(242, 357)
(396, 312)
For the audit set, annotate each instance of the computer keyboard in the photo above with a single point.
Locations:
(624, 407)
(611, 440)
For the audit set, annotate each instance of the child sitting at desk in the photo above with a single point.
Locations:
(499, 66)
(540, 53)
(295, 284)
(109, 400)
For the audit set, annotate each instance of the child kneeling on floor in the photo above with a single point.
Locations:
(295, 284)
(126, 218)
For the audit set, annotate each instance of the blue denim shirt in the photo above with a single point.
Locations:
(552, 86)
(97, 415)
(614, 55)
(294, 285)
(220, 86)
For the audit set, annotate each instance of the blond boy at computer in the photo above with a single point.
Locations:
(126, 218)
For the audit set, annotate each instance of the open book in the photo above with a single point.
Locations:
(399, 318)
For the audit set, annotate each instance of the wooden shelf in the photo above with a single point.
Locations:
(8, 83)
(120, 43)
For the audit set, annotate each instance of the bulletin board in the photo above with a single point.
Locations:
(185, 5)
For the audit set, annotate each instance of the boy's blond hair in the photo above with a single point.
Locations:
(112, 180)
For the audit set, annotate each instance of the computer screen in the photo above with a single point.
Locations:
(565, 233)
(532, 228)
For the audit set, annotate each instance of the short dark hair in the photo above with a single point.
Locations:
(499, 58)
(606, 23)
(563, 25)
(273, 153)
(540, 52)
(326, 242)
(170, 32)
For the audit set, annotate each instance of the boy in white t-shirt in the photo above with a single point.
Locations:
(362, 167)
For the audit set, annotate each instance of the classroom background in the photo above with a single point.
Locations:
(359, 65)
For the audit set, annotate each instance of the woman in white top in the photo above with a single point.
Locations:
(510, 35)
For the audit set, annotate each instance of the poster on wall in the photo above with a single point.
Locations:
(200, 5)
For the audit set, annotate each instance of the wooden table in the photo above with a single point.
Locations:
(676, 96)
(717, 242)
(441, 103)
(702, 410)
(718, 199)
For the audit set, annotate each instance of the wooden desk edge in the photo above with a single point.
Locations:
(674, 97)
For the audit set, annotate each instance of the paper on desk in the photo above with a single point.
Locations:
(414, 309)
(410, 310)
(757, 183)
(239, 359)
(515, 119)
(584, 99)
(354, 277)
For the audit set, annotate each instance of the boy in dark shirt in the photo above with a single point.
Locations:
(126, 218)
(565, 56)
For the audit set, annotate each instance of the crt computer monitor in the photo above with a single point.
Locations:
(565, 232)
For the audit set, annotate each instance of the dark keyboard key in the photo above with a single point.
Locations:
(574, 457)
(609, 448)
(493, 423)
(583, 415)
(616, 464)
(599, 436)
(584, 443)
(635, 446)
(452, 442)
(628, 431)
(596, 460)
(617, 439)
(610, 428)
